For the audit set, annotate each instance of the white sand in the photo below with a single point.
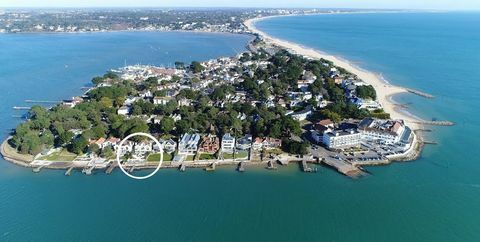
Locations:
(384, 89)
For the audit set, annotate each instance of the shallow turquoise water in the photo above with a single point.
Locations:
(436, 198)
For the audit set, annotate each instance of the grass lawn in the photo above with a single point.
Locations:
(207, 157)
(62, 155)
(239, 155)
(156, 157)
(274, 151)
(190, 158)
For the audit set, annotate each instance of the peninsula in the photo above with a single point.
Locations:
(277, 103)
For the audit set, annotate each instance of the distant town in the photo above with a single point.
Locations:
(264, 106)
(101, 20)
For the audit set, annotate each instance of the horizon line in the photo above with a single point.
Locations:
(234, 7)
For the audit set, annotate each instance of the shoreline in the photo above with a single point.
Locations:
(385, 90)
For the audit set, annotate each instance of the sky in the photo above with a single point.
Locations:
(393, 4)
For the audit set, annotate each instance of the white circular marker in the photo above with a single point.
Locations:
(159, 163)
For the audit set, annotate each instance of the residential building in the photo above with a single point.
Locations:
(244, 143)
(124, 110)
(188, 144)
(210, 144)
(228, 143)
(161, 100)
(271, 143)
(143, 147)
(257, 144)
(302, 115)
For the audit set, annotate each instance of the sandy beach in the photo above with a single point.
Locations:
(384, 89)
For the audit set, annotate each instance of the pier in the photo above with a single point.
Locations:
(241, 167)
(436, 123)
(37, 169)
(131, 170)
(69, 171)
(21, 108)
(88, 170)
(211, 167)
(271, 165)
(421, 94)
(41, 101)
(306, 168)
(344, 167)
(110, 169)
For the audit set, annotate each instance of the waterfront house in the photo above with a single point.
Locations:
(111, 142)
(244, 143)
(228, 143)
(126, 147)
(271, 143)
(143, 147)
(257, 144)
(169, 145)
(188, 144)
(210, 144)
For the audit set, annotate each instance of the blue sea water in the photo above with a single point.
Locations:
(436, 198)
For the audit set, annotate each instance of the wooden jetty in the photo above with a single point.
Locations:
(420, 93)
(37, 169)
(131, 170)
(110, 168)
(88, 170)
(183, 167)
(306, 168)
(241, 167)
(211, 167)
(69, 171)
(271, 165)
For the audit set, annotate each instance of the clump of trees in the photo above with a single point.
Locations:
(366, 92)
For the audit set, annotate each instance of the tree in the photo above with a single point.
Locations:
(79, 145)
(94, 149)
(294, 147)
(197, 67)
(107, 152)
(65, 138)
(183, 126)
(106, 102)
(335, 117)
(167, 124)
(179, 65)
(366, 92)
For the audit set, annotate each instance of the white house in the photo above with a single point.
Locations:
(143, 147)
(188, 144)
(302, 115)
(124, 110)
(126, 147)
(228, 143)
(161, 100)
